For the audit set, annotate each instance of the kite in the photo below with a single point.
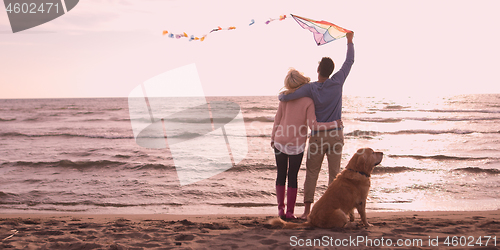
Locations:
(323, 31)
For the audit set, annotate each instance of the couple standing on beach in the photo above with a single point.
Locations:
(317, 105)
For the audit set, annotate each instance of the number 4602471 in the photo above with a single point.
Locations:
(32, 8)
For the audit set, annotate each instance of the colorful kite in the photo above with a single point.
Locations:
(324, 32)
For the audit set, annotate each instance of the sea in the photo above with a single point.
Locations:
(80, 155)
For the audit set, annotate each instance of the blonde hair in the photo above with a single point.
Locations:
(294, 80)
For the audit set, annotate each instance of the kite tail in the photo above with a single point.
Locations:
(323, 31)
(219, 28)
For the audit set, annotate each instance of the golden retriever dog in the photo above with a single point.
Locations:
(349, 190)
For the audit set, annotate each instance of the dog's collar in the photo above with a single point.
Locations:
(359, 172)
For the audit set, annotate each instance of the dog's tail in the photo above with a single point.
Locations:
(288, 225)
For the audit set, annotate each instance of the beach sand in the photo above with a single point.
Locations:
(160, 231)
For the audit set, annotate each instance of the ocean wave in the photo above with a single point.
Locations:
(259, 119)
(33, 181)
(259, 136)
(66, 164)
(117, 119)
(192, 135)
(439, 157)
(252, 167)
(250, 109)
(122, 156)
(93, 120)
(452, 119)
(4, 195)
(476, 170)
(7, 120)
(370, 134)
(244, 204)
(392, 170)
(434, 132)
(185, 120)
(146, 120)
(380, 120)
(151, 166)
(425, 119)
(33, 203)
(460, 111)
(32, 119)
(363, 133)
(185, 135)
(87, 113)
(399, 108)
(390, 107)
(191, 120)
(17, 134)
(120, 119)
(69, 107)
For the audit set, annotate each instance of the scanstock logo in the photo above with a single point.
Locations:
(170, 111)
(26, 14)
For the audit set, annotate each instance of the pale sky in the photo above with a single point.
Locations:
(105, 48)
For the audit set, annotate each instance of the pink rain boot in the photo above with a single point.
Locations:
(280, 195)
(291, 197)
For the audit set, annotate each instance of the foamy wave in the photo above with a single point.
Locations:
(259, 136)
(87, 113)
(363, 133)
(244, 204)
(476, 170)
(272, 108)
(259, 119)
(66, 164)
(32, 119)
(434, 132)
(4, 195)
(154, 166)
(16, 134)
(370, 134)
(380, 120)
(462, 111)
(394, 107)
(425, 119)
(252, 167)
(122, 156)
(185, 135)
(391, 170)
(117, 119)
(400, 108)
(439, 157)
(191, 120)
(32, 203)
(391, 108)
(7, 120)
(452, 119)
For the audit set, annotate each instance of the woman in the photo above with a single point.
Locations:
(289, 139)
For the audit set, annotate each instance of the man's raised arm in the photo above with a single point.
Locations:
(349, 60)
(304, 91)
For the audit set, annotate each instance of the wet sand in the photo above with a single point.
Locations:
(404, 230)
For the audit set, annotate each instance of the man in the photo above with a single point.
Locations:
(327, 96)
